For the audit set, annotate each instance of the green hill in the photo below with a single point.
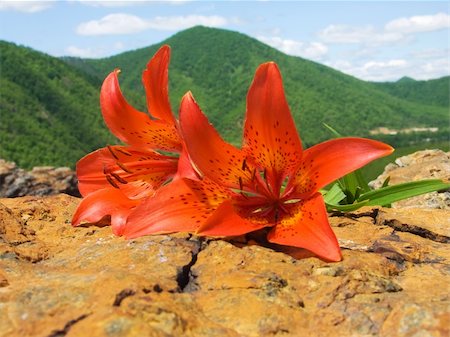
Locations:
(432, 92)
(216, 65)
(49, 110)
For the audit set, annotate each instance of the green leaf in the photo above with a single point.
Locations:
(334, 195)
(390, 194)
(362, 182)
(333, 131)
(353, 183)
(346, 208)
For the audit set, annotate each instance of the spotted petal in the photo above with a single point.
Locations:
(225, 221)
(136, 173)
(132, 126)
(270, 135)
(216, 159)
(181, 206)
(307, 227)
(108, 201)
(156, 81)
(330, 160)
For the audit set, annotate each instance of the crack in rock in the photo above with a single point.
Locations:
(122, 295)
(394, 224)
(184, 275)
(371, 214)
(416, 230)
(64, 331)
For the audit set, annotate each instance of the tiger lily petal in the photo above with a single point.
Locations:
(272, 155)
(328, 161)
(132, 126)
(137, 170)
(157, 71)
(137, 173)
(179, 207)
(107, 201)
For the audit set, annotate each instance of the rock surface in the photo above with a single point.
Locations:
(56, 280)
(41, 180)
(427, 164)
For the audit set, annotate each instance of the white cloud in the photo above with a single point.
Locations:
(431, 53)
(103, 3)
(312, 50)
(392, 70)
(433, 69)
(25, 6)
(119, 45)
(83, 52)
(345, 34)
(183, 22)
(373, 70)
(124, 3)
(113, 24)
(369, 61)
(395, 31)
(380, 65)
(176, 2)
(121, 23)
(100, 51)
(420, 23)
(359, 35)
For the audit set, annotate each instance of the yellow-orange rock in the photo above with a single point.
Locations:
(426, 164)
(56, 280)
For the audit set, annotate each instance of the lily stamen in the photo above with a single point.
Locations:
(123, 167)
(126, 153)
(118, 178)
(111, 181)
(112, 152)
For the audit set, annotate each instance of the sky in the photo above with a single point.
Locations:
(371, 40)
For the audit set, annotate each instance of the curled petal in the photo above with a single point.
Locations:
(136, 173)
(307, 227)
(181, 206)
(108, 201)
(270, 135)
(330, 160)
(185, 167)
(156, 81)
(132, 126)
(216, 159)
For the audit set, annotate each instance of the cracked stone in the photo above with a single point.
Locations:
(390, 283)
(427, 164)
(432, 224)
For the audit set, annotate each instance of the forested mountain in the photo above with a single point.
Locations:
(53, 103)
(48, 110)
(431, 92)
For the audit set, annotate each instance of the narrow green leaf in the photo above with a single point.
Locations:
(333, 131)
(334, 195)
(390, 194)
(353, 183)
(346, 208)
(362, 182)
(386, 181)
(350, 186)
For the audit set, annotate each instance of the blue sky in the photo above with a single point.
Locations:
(376, 41)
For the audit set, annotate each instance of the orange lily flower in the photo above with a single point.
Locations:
(115, 179)
(270, 182)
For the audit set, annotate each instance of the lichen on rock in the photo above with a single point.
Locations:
(56, 280)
